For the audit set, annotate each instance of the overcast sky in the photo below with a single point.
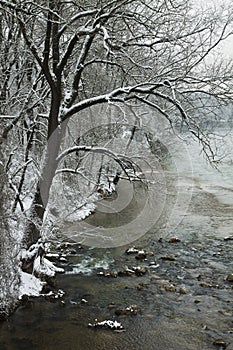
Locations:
(226, 47)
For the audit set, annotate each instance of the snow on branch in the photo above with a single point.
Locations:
(87, 149)
(153, 42)
(13, 6)
(7, 116)
(105, 62)
(75, 172)
(127, 93)
(157, 107)
(175, 102)
(120, 159)
(106, 41)
(75, 18)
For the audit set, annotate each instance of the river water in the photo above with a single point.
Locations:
(184, 301)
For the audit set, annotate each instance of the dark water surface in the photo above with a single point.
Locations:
(184, 300)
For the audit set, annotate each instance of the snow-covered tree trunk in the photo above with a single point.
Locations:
(8, 249)
(45, 180)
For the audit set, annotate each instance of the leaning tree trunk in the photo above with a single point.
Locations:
(49, 168)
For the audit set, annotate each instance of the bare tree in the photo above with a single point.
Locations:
(87, 53)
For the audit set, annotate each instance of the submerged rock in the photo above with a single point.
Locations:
(141, 253)
(107, 274)
(140, 271)
(130, 310)
(135, 270)
(112, 305)
(228, 238)
(225, 313)
(219, 253)
(197, 301)
(174, 240)
(230, 278)
(183, 291)
(140, 287)
(126, 272)
(220, 343)
(155, 278)
(201, 277)
(168, 257)
(169, 288)
(208, 285)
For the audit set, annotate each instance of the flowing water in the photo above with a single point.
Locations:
(184, 301)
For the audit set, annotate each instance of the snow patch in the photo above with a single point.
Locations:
(114, 325)
(33, 250)
(29, 285)
(44, 267)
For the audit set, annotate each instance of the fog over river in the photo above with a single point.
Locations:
(184, 298)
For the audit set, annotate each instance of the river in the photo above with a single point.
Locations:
(184, 301)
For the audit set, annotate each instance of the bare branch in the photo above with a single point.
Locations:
(76, 18)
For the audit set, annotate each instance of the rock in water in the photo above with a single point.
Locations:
(113, 325)
(230, 277)
(130, 310)
(220, 343)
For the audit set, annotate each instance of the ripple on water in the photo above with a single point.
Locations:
(90, 264)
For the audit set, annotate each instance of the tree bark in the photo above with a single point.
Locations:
(41, 197)
(8, 261)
